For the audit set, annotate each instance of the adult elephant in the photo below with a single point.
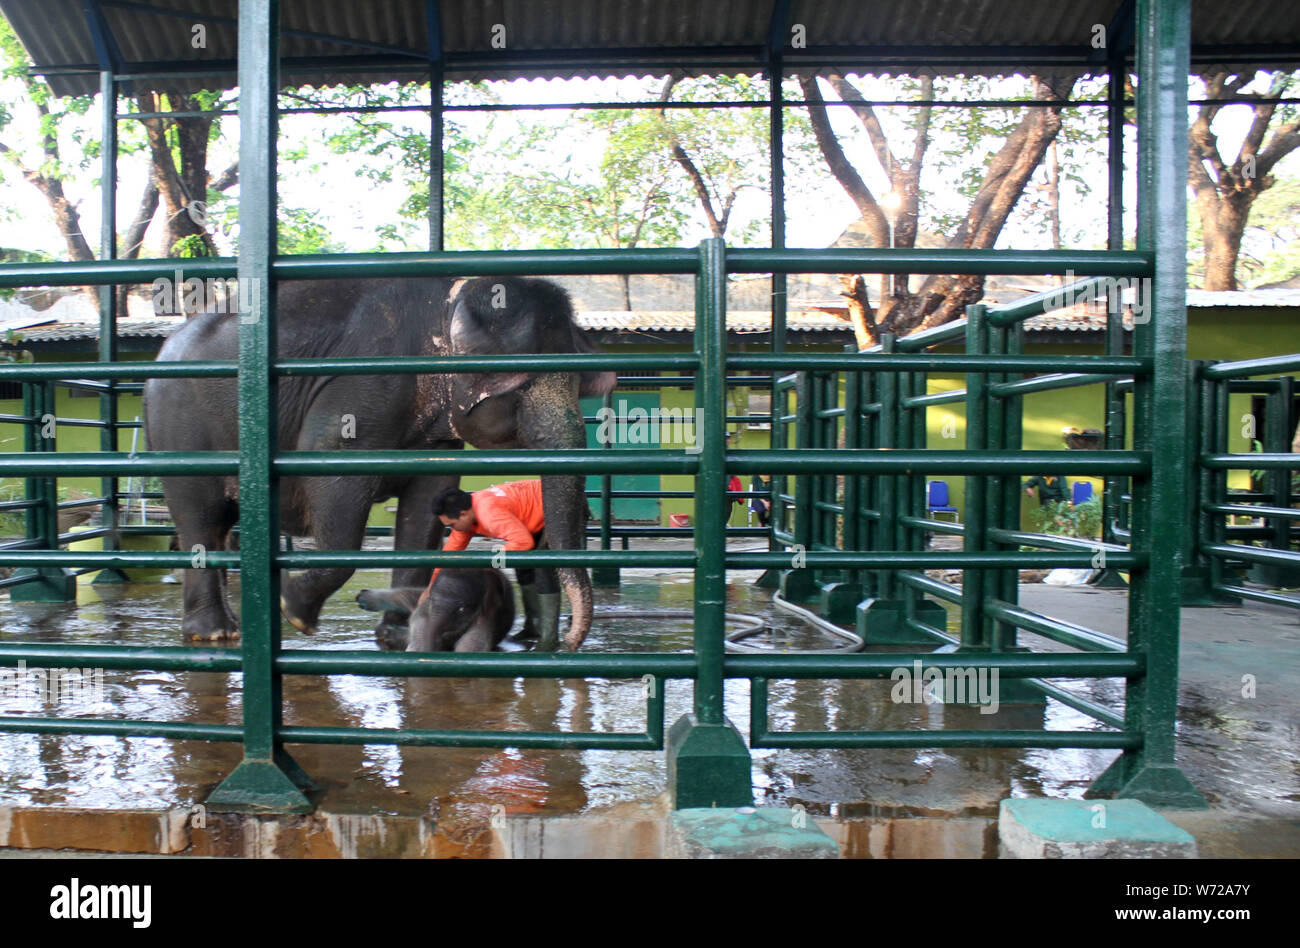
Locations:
(379, 317)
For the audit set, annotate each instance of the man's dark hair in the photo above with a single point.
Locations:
(451, 502)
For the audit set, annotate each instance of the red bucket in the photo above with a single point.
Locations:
(679, 520)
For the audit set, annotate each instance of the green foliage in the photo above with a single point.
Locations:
(13, 523)
(299, 231)
(189, 246)
(1067, 519)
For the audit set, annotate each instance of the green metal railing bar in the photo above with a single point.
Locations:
(1113, 263)
(939, 362)
(1046, 383)
(1248, 367)
(1067, 633)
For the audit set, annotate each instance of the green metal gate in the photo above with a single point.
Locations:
(882, 517)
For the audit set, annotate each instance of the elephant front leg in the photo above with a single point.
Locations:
(338, 512)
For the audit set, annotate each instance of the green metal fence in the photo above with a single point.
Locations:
(869, 540)
(1223, 546)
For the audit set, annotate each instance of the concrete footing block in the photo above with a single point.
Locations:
(746, 833)
(1089, 829)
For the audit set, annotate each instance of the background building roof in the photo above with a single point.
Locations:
(331, 41)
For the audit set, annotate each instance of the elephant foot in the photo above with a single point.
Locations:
(302, 625)
(198, 632)
(391, 638)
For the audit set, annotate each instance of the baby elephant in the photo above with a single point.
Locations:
(467, 610)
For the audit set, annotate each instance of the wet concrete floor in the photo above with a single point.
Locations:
(1240, 751)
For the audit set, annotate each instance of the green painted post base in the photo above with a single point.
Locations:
(771, 579)
(110, 577)
(606, 576)
(278, 785)
(838, 602)
(54, 585)
(882, 622)
(708, 765)
(1108, 783)
(798, 585)
(1196, 589)
(1163, 786)
(1110, 579)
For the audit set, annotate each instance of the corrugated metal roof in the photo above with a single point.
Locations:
(127, 328)
(599, 321)
(566, 38)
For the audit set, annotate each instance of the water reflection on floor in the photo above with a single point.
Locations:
(149, 772)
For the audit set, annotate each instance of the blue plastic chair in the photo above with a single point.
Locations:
(1082, 492)
(937, 500)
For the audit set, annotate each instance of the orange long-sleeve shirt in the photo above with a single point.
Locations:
(511, 511)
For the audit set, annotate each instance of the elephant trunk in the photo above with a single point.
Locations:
(551, 420)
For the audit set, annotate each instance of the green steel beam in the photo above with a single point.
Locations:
(937, 362)
(1051, 740)
(905, 260)
(66, 372)
(1046, 383)
(1150, 774)
(561, 362)
(892, 560)
(267, 779)
(884, 664)
(885, 461)
(176, 731)
(1245, 368)
(414, 737)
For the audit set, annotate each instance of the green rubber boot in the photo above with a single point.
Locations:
(548, 622)
(532, 607)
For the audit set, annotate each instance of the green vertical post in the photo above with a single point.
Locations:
(267, 780)
(1113, 487)
(1005, 426)
(1013, 425)
(973, 635)
(888, 484)
(108, 312)
(1196, 587)
(799, 583)
(606, 575)
(1150, 773)
(1277, 440)
(1212, 430)
(776, 161)
(708, 762)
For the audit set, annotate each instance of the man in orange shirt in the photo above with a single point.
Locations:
(512, 512)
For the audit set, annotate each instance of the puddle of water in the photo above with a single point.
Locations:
(466, 782)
